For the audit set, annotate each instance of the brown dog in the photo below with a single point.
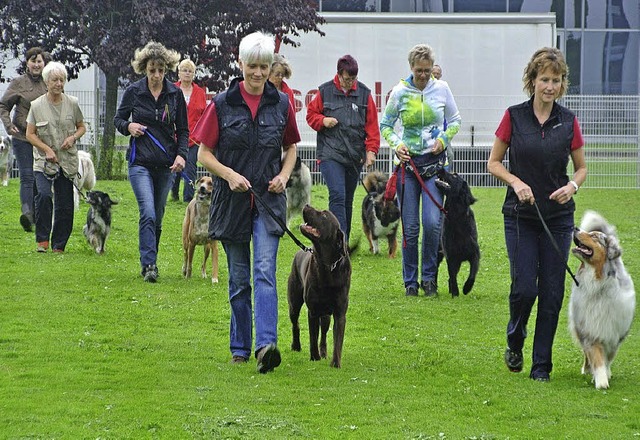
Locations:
(195, 230)
(380, 217)
(321, 279)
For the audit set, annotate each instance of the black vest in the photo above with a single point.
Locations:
(252, 148)
(539, 155)
(343, 143)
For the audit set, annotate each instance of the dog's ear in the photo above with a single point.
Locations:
(613, 248)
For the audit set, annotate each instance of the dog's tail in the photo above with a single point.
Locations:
(593, 221)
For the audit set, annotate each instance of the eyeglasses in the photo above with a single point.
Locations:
(278, 75)
(349, 79)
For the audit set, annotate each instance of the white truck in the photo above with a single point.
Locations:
(483, 57)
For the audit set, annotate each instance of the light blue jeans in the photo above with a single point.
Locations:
(410, 194)
(151, 187)
(265, 251)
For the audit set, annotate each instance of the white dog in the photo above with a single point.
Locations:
(86, 178)
(5, 159)
(601, 309)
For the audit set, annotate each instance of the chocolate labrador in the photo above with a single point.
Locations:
(321, 280)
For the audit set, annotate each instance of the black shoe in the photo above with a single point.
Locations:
(268, 358)
(539, 376)
(430, 288)
(412, 291)
(513, 359)
(26, 221)
(150, 273)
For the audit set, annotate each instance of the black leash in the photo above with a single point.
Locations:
(280, 222)
(554, 243)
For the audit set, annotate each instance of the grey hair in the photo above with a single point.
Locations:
(282, 61)
(257, 47)
(54, 68)
(422, 52)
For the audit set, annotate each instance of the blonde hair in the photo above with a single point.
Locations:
(54, 68)
(547, 58)
(187, 63)
(154, 52)
(280, 60)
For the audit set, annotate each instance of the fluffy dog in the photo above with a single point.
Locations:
(298, 189)
(380, 217)
(195, 230)
(321, 279)
(459, 241)
(601, 308)
(98, 224)
(85, 180)
(5, 159)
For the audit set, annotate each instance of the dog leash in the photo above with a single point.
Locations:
(554, 243)
(279, 221)
(58, 173)
(424, 187)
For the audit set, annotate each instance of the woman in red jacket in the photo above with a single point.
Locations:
(196, 99)
(281, 70)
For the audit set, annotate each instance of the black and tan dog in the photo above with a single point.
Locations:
(459, 234)
(98, 224)
(380, 216)
(321, 280)
(195, 230)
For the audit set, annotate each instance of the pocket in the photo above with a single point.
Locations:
(236, 131)
(43, 127)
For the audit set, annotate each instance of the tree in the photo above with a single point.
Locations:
(79, 33)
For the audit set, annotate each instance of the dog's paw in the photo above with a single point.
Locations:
(214, 280)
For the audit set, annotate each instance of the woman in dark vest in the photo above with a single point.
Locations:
(541, 136)
(247, 138)
(344, 114)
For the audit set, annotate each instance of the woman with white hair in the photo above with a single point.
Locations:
(54, 125)
(248, 137)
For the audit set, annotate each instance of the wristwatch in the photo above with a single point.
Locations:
(575, 185)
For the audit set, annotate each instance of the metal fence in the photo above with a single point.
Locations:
(610, 126)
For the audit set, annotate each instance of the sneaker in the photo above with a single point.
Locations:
(43, 246)
(239, 360)
(26, 221)
(150, 273)
(539, 376)
(411, 291)
(430, 288)
(513, 359)
(268, 358)
(58, 251)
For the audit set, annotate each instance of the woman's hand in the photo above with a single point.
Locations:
(278, 184)
(524, 192)
(438, 147)
(237, 182)
(563, 194)
(370, 159)
(136, 130)
(50, 155)
(403, 153)
(178, 164)
(329, 122)
(69, 142)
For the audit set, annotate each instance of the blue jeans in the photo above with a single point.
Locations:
(188, 175)
(265, 250)
(60, 232)
(537, 271)
(410, 194)
(151, 187)
(341, 181)
(23, 152)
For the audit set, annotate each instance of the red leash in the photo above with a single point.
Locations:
(424, 187)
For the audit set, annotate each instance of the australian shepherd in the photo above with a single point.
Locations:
(380, 216)
(601, 308)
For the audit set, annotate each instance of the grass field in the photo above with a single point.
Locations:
(88, 350)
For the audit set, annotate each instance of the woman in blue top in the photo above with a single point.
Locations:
(420, 104)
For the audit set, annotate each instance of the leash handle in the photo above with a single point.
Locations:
(554, 243)
(279, 221)
(424, 187)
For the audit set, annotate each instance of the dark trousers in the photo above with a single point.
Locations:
(188, 175)
(341, 181)
(61, 213)
(537, 271)
(23, 152)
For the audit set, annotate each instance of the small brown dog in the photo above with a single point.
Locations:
(195, 230)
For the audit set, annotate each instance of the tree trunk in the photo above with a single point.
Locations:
(105, 164)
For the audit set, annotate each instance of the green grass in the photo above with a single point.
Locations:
(87, 350)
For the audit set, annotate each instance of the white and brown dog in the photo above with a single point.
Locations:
(5, 159)
(601, 308)
(85, 180)
(195, 230)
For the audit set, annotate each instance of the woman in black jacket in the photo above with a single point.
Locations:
(153, 111)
